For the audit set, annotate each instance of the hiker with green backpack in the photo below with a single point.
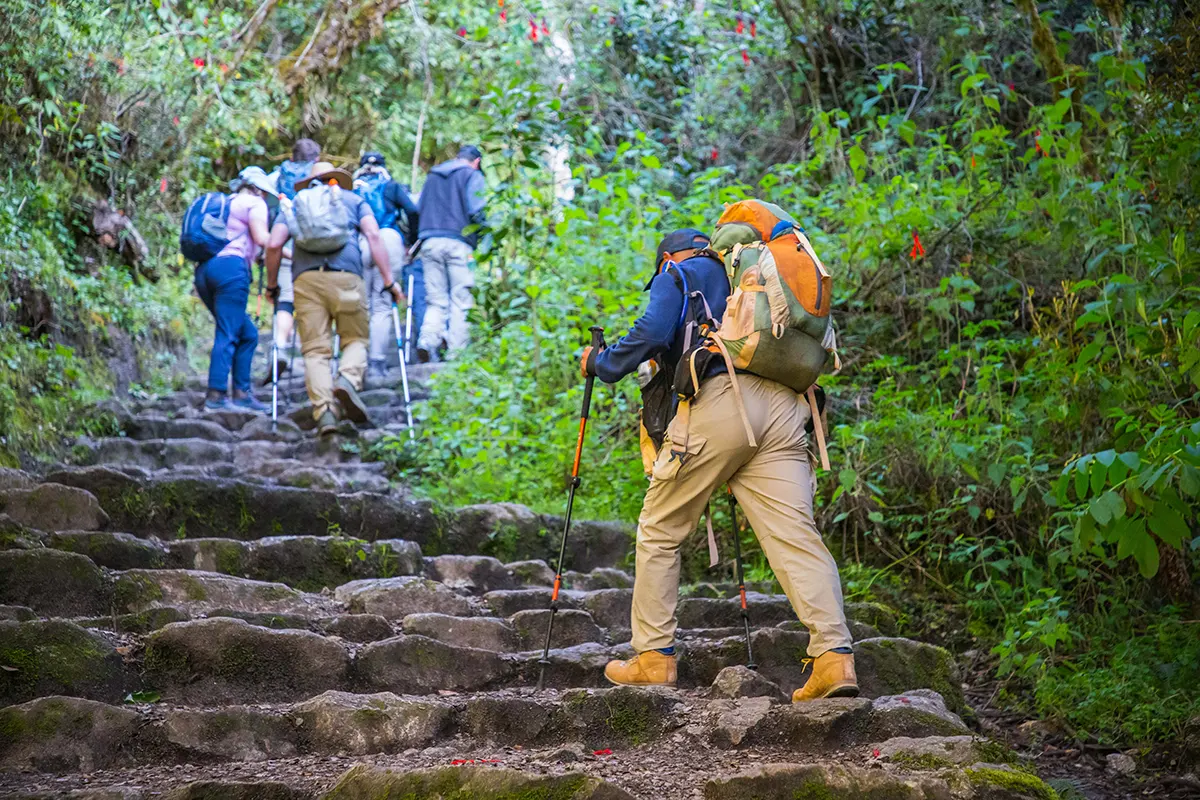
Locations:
(323, 223)
(730, 424)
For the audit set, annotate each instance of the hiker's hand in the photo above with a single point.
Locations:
(397, 293)
(587, 364)
(273, 294)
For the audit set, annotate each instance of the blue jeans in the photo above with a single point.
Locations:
(417, 300)
(223, 283)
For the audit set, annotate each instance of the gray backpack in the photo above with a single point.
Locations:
(322, 221)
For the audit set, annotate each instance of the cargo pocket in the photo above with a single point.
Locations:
(673, 461)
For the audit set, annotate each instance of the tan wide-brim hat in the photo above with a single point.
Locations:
(323, 172)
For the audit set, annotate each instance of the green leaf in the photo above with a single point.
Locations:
(858, 159)
(1130, 459)
(995, 473)
(598, 185)
(1189, 480)
(1107, 507)
(991, 103)
(875, 517)
(847, 478)
(651, 162)
(907, 131)
(1168, 524)
(1099, 477)
(1056, 112)
(1139, 544)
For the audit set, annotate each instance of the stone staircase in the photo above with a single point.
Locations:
(207, 607)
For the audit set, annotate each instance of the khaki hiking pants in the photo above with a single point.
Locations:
(383, 333)
(449, 279)
(773, 484)
(322, 299)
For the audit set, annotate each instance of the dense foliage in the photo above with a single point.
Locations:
(1007, 196)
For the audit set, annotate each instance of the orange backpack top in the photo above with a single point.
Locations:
(777, 322)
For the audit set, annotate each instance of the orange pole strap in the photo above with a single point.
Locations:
(579, 447)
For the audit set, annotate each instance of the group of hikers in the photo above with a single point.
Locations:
(725, 366)
(338, 250)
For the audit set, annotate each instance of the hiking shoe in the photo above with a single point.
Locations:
(251, 403)
(832, 676)
(216, 401)
(651, 668)
(378, 369)
(282, 366)
(352, 405)
(423, 355)
(327, 424)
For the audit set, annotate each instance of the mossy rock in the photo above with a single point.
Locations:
(197, 591)
(15, 536)
(360, 724)
(469, 783)
(236, 790)
(1002, 782)
(939, 752)
(892, 666)
(621, 717)
(54, 507)
(833, 782)
(53, 583)
(65, 734)
(877, 615)
(420, 665)
(45, 657)
(232, 733)
(227, 660)
(108, 549)
(141, 622)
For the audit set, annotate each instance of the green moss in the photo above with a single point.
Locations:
(630, 720)
(135, 591)
(165, 660)
(813, 790)
(51, 657)
(193, 589)
(921, 761)
(1011, 779)
(228, 557)
(994, 752)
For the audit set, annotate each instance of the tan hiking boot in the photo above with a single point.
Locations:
(352, 405)
(327, 425)
(651, 668)
(832, 676)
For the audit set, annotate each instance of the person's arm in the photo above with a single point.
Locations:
(275, 242)
(379, 254)
(257, 223)
(476, 185)
(395, 196)
(653, 332)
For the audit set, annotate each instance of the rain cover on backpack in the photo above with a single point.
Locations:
(322, 221)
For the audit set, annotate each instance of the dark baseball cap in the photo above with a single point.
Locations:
(682, 239)
(469, 152)
(372, 157)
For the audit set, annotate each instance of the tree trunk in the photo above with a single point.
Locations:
(349, 25)
(1175, 580)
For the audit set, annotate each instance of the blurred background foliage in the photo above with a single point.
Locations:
(1016, 436)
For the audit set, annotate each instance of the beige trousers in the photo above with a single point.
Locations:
(773, 484)
(323, 298)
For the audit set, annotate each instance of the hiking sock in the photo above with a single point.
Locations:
(667, 651)
(846, 651)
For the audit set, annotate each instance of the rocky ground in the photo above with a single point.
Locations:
(212, 606)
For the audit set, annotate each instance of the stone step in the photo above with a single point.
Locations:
(193, 661)
(66, 734)
(204, 506)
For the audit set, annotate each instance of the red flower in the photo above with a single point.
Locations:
(224, 68)
(875, 752)
(972, 162)
(503, 15)
(162, 185)
(545, 28)
(198, 63)
(605, 752)
(462, 32)
(741, 26)
(1012, 87)
(532, 30)
(917, 250)
(753, 29)
(714, 154)
(175, 120)
(745, 57)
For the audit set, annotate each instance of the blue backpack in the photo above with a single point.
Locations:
(370, 188)
(204, 235)
(290, 172)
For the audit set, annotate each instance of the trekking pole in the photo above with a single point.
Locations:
(741, 581)
(337, 353)
(403, 370)
(408, 321)
(258, 304)
(544, 661)
(275, 370)
(287, 391)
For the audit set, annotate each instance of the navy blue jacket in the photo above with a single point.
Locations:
(452, 199)
(659, 329)
(402, 209)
